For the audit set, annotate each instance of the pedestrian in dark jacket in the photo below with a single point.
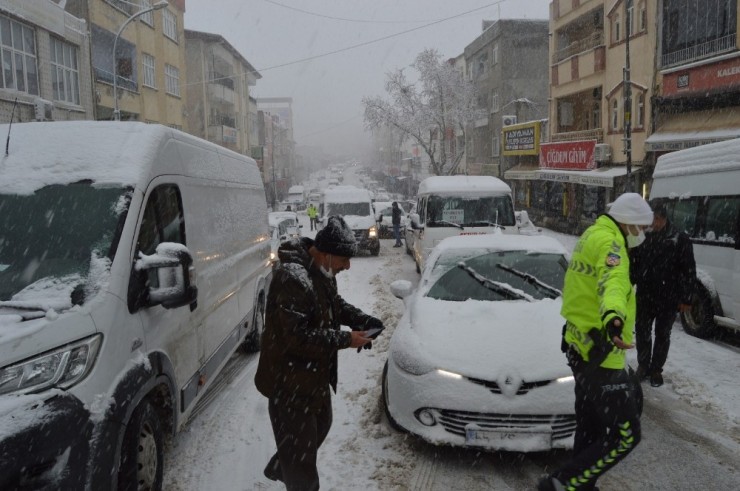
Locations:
(396, 221)
(298, 362)
(664, 271)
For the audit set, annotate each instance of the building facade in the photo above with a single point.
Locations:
(219, 78)
(698, 81)
(149, 62)
(584, 164)
(508, 64)
(277, 141)
(45, 63)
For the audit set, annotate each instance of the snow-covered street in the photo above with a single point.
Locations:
(691, 425)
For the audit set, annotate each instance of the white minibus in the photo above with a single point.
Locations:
(701, 190)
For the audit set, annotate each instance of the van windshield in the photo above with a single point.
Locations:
(356, 209)
(52, 236)
(472, 211)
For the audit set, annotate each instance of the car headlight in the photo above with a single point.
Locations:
(372, 232)
(273, 256)
(411, 363)
(62, 367)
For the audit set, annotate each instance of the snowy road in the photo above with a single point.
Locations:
(691, 427)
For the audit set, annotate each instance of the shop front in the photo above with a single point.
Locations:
(566, 191)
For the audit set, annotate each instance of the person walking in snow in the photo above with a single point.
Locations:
(664, 271)
(599, 309)
(312, 213)
(396, 221)
(298, 364)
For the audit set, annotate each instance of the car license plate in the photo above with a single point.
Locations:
(508, 439)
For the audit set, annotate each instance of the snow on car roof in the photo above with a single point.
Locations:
(500, 242)
(346, 194)
(713, 157)
(275, 217)
(462, 184)
(109, 153)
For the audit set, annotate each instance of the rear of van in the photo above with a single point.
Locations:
(700, 188)
(459, 205)
(131, 268)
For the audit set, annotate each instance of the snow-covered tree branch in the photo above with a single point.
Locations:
(430, 111)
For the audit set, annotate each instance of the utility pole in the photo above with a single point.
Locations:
(628, 95)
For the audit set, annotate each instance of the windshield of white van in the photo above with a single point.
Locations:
(474, 211)
(52, 236)
(356, 209)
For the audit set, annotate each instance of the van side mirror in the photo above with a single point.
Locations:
(172, 266)
(401, 288)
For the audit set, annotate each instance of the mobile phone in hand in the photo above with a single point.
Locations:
(373, 333)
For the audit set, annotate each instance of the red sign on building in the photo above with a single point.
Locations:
(724, 74)
(577, 155)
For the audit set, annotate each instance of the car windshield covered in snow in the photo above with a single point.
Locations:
(53, 234)
(473, 211)
(361, 209)
(497, 275)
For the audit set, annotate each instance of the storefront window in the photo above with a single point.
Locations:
(521, 191)
(539, 195)
(593, 202)
(555, 197)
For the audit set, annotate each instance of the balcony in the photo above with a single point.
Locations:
(569, 136)
(221, 79)
(699, 51)
(220, 92)
(223, 134)
(588, 43)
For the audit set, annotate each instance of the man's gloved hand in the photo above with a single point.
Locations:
(373, 323)
(614, 333)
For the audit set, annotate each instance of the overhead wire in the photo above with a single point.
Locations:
(364, 21)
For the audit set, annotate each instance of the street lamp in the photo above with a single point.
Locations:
(157, 6)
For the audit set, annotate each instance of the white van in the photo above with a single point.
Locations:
(459, 205)
(134, 260)
(355, 205)
(701, 190)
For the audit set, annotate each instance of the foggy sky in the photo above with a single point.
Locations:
(327, 91)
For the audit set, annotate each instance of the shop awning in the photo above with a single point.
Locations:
(603, 177)
(522, 172)
(694, 128)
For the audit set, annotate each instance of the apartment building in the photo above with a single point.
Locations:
(148, 63)
(277, 138)
(218, 101)
(583, 166)
(45, 63)
(698, 81)
(508, 65)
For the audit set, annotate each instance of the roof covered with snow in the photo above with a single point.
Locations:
(109, 153)
(503, 242)
(346, 194)
(275, 217)
(462, 184)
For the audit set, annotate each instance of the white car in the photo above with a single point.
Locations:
(283, 226)
(475, 360)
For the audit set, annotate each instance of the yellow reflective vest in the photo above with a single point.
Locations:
(598, 288)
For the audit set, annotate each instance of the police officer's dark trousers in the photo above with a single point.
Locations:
(607, 424)
(653, 356)
(299, 434)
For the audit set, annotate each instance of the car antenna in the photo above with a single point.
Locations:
(12, 114)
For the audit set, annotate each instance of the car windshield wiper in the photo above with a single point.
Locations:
(496, 286)
(445, 222)
(532, 280)
(26, 310)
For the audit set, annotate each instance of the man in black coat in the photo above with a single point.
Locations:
(298, 365)
(396, 221)
(664, 271)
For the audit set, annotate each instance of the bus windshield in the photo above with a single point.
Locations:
(470, 211)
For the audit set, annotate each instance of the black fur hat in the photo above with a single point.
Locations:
(336, 238)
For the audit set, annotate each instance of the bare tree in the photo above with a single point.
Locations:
(428, 111)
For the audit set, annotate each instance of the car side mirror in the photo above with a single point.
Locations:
(401, 288)
(414, 217)
(172, 266)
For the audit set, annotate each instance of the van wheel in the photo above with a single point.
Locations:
(142, 452)
(375, 250)
(384, 395)
(252, 342)
(699, 320)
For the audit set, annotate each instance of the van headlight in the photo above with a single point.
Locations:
(63, 368)
(411, 363)
(372, 232)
